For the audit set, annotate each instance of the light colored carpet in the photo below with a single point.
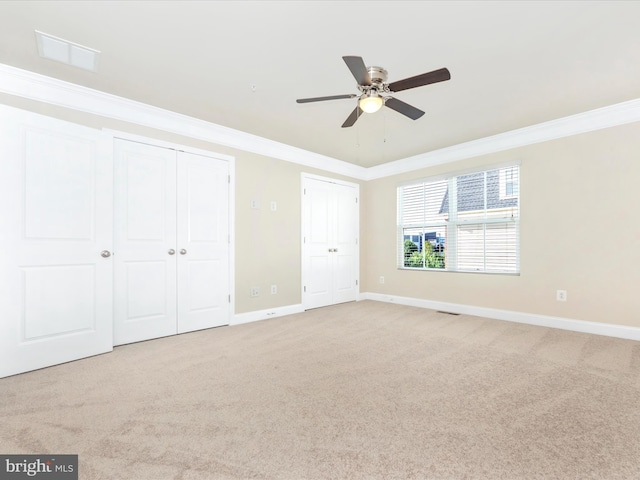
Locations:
(362, 390)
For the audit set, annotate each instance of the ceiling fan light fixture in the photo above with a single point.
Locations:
(370, 102)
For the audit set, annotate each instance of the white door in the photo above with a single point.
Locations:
(172, 242)
(145, 242)
(203, 242)
(55, 242)
(345, 241)
(317, 244)
(330, 242)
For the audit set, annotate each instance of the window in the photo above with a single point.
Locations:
(464, 223)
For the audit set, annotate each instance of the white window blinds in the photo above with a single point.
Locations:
(466, 223)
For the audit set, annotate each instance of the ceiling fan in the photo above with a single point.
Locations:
(375, 90)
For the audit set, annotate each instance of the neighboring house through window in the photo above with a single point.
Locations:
(468, 222)
(508, 179)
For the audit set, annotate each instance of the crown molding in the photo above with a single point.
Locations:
(610, 116)
(22, 83)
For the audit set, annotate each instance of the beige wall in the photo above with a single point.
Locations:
(580, 228)
(267, 244)
(580, 232)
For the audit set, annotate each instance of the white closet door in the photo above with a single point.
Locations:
(55, 220)
(330, 224)
(145, 242)
(318, 212)
(203, 242)
(345, 236)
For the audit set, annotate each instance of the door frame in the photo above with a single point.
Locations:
(304, 274)
(116, 134)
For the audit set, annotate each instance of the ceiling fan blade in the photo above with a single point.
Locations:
(404, 108)
(322, 99)
(351, 119)
(358, 69)
(419, 80)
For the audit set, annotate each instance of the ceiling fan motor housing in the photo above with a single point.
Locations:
(377, 74)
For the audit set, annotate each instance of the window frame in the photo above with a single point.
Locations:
(453, 223)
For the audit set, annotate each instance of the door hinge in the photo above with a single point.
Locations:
(304, 191)
(305, 289)
(229, 298)
(229, 178)
(356, 282)
(356, 199)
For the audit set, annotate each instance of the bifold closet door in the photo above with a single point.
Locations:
(330, 243)
(318, 213)
(55, 243)
(345, 238)
(145, 242)
(172, 242)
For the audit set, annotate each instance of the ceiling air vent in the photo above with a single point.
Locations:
(64, 51)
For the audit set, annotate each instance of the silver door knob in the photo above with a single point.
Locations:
(183, 252)
(171, 251)
(105, 253)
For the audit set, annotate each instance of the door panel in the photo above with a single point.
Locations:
(50, 212)
(319, 284)
(203, 236)
(319, 212)
(146, 290)
(146, 176)
(202, 274)
(145, 271)
(56, 213)
(345, 288)
(318, 231)
(58, 300)
(343, 279)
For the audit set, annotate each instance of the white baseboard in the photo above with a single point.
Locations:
(255, 316)
(606, 329)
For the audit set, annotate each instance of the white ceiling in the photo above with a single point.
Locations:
(242, 64)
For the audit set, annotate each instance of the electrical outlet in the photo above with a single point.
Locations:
(274, 206)
(274, 289)
(255, 291)
(381, 279)
(561, 295)
(255, 204)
